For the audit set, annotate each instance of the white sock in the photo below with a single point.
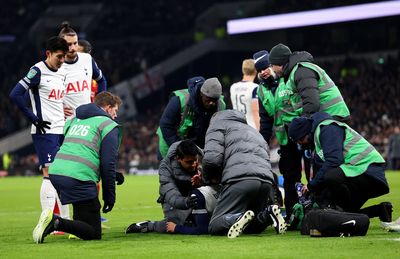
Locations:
(48, 195)
(64, 209)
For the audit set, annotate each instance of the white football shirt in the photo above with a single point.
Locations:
(46, 91)
(79, 79)
(243, 93)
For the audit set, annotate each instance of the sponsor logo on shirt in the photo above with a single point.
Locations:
(77, 87)
(56, 94)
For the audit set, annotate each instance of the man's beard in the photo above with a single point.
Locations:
(72, 56)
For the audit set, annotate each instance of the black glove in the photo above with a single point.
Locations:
(191, 201)
(119, 178)
(107, 207)
(41, 126)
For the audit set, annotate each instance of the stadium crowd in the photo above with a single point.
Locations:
(140, 36)
(368, 86)
(364, 83)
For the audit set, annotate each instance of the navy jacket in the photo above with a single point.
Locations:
(73, 190)
(171, 118)
(332, 138)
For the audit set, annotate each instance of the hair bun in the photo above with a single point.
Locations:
(65, 24)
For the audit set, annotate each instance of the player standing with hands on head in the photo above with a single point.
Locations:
(45, 83)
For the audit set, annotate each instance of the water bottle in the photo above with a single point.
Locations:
(299, 186)
(302, 199)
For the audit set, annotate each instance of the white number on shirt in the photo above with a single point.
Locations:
(240, 103)
(79, 130)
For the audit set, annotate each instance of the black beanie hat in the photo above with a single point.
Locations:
(279, 55)
(261, 60)
(299, 127)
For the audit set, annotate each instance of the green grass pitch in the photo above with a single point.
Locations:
(20, 210)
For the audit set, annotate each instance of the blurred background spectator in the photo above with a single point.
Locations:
(394, 149)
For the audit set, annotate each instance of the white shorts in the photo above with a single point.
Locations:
(210, 194)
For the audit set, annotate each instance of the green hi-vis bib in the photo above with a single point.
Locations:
(79, 155)
(358, 153)
(187, 117)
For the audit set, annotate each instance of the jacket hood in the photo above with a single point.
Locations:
(296, 57)
(317, 118)
(89, 110)
(229, 115)
(172, 150)
(194, 84)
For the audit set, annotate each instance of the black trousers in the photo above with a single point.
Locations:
(290, 168)
(86, 222)
(350, 193)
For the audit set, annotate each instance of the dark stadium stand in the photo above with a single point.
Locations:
(131, 36)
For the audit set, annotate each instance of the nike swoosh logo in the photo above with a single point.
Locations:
(260, 58)
(350, 222)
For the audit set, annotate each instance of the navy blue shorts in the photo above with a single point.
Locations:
(47, 146)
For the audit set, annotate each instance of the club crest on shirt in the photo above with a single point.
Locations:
(32, 72)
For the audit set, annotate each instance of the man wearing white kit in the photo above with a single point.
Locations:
(244, 94)
(45, 84)
(81, 69)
